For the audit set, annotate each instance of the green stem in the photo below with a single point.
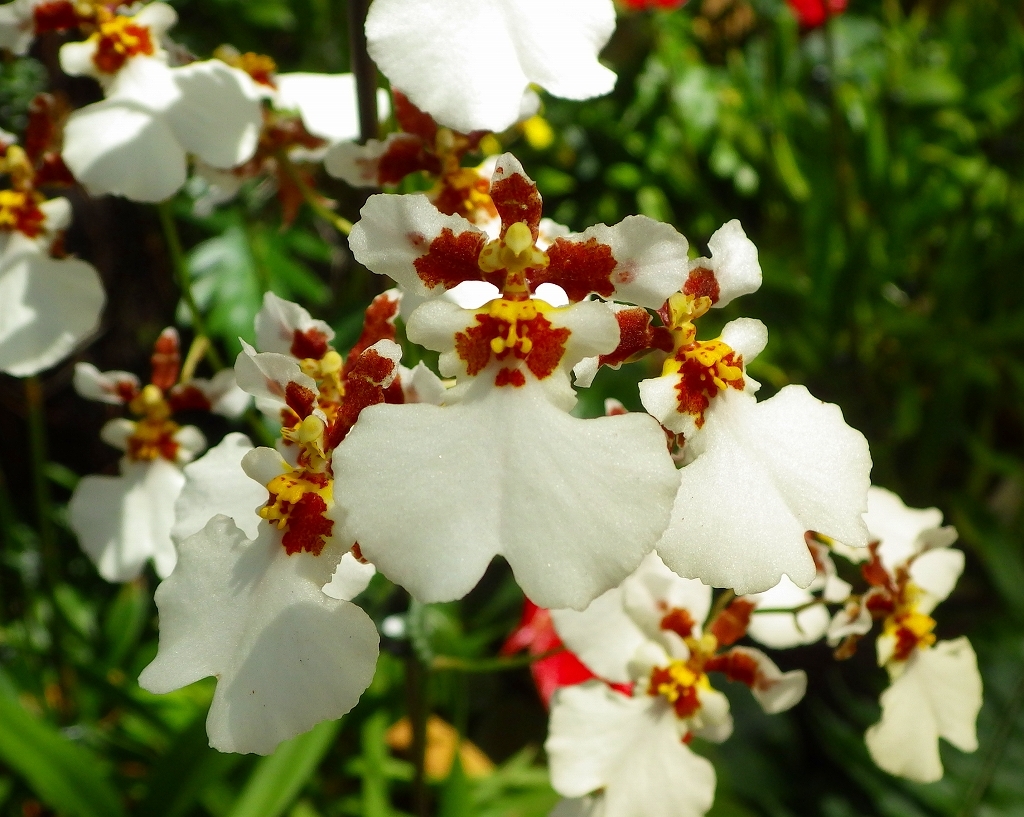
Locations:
(34, 403)
(454, 664)
(170, 228)
(342, 225)
(416, 677)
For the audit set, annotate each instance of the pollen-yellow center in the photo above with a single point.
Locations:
(119, 38)
(20, 211)
(911, 628)
(515, 252)
(679, 684)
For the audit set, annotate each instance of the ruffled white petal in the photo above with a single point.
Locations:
(469, 65)
(896, 526)
(216, 484)
(764, 474)
(123, 522)
(326, 103)
(104, 387)
(774, 689)
(278, 321)
(937, 695)
(107, 142)
(17, 29)
(286, 656)
(217, 115)
(573, 505)
(936, 572)
(47, 307)
(747, 336)
(350, 579)
(420, 385)
(651, 258)
(266, 375)
(733, 261)
(603, 636)
(393, 231)
(630, 748)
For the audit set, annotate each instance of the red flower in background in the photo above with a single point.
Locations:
(814, 13)
(537, 635)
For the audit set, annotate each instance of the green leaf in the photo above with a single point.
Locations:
(455, 793)
(126, 620)
(67, 777)
(183, 772)
(278, 779)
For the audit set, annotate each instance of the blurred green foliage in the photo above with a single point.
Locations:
(877, 163)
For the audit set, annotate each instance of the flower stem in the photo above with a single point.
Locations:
(363, 70)
(315, 202)
(455, 664)
(416, 678)
(34, 403)
(184, 280)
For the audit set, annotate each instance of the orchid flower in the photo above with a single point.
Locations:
(935, 687)
(501, 467)
(122, 522)
(260, 598)
(632, 753)
(154, 114)
(48, 305)
(757, 475)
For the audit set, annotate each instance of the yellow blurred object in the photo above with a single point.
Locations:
(442, 738)
(538, 132)
(490, 146)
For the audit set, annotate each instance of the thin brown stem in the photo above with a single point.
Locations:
(363, 69)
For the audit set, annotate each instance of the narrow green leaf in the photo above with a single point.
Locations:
(376, 802)
(67, 777)
(278, 779)
(183, 772)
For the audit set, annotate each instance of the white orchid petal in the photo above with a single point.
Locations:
(630, 749)
(216, 484)
(937, 572)
(937, 695)
(350, 578)
(573, 505)
(217, 116)
(896, 526)
(123, 522)
(733, 262)
(781, 631)
(469, 65)
(278, 321)
(394, 231)
(286, 656)
(766, 473)
(47, 307)
(107, 142)
(327, 103)
(650, 256)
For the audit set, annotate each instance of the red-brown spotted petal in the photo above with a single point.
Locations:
(637, 337)
(638, 261)
(366, 382)
(515, 195)
(378, 324)
(412, 120)
(410, 240)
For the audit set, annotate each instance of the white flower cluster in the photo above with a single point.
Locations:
(621, 525)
